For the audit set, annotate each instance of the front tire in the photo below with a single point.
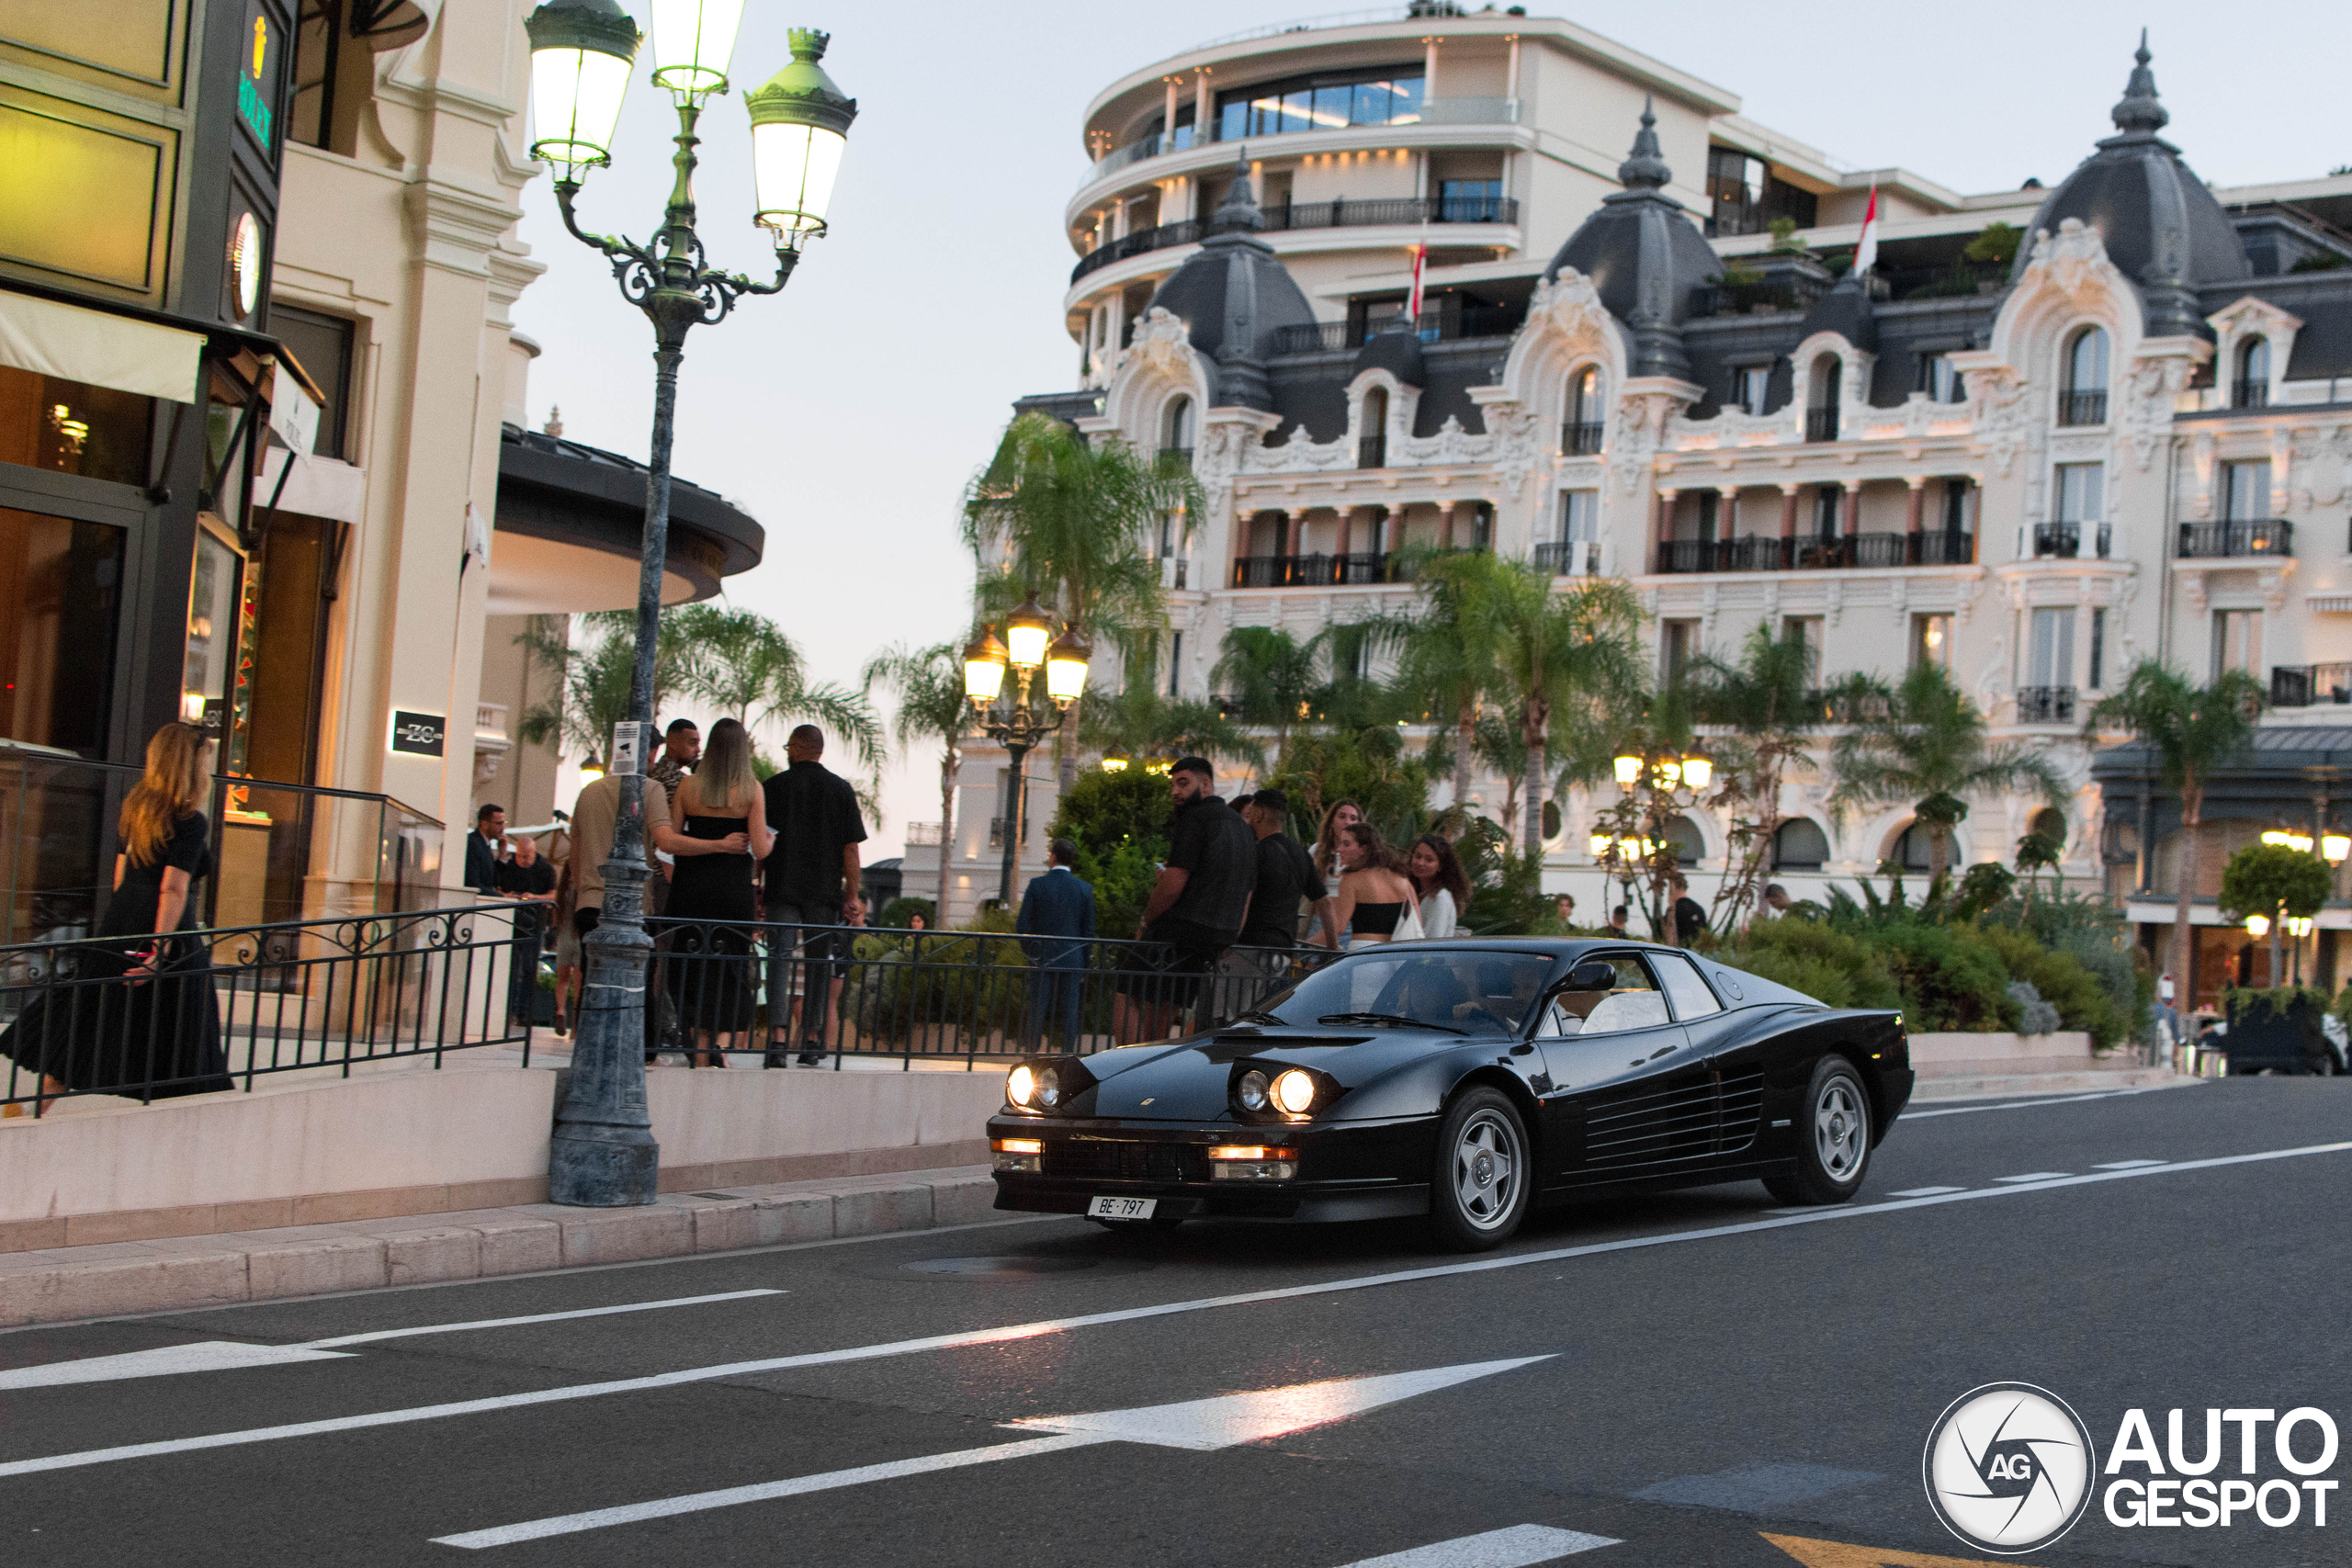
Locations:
(1479, 1189)
(1833, 1139)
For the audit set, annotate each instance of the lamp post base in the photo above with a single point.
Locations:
(603, 1167)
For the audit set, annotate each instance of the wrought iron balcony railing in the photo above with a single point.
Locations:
(2081, 408)
(2309, 685)
(2239, 536)
(1580, 438)
(1821, 424)
(1397, 212)
(1812, 552)
(2045, 704)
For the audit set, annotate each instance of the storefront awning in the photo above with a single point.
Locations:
(98, 348)
(319, 487)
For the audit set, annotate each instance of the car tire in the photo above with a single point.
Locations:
(1833, 1139)
(1480, 1186)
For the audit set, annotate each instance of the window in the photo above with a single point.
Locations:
(1684, 989)
(2245, 491)
(1579, 514)
(2050, 660)
(1482, 526)
(1911, 849)
(1175, 662)
(2083, 399)
(1800, 845)
(1176, 427)
(70, 428)
(2237, 640)
(1372, 441)
(1750, 385)
(1689, 848)
(324, 346)
(1826, 500)
(1806, 630)
(2098, 648)
(1633, 1001)
(1710, 511)
(1956, 506)
(1821, 412)
(61, 591)
(2049, 823)
(2253, 388)
(1580, 430)
(1931, 641)
(1744, 196)
(1678, 641)
(2080, 491)
(1469, 201)
(1939, 379)
(1325, 101)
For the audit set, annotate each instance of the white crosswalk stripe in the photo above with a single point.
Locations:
(1520, 1546)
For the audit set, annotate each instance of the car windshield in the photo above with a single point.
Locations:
(1464, 991)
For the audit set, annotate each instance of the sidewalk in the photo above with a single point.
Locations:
(65, 1284)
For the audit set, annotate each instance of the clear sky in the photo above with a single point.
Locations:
(847, 414)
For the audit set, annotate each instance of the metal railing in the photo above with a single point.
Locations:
(1580, 438)
(2309, 685)
(2045, 704)
(1399, 211)
(997, 827)
(1566, 558)
(228, 1005)
(2081, 408)
(1437, 324)
(1821, 424)
(2241, 537)
(2245, 394)
(1183, 454)
(1318, 570)
(1812, 552)
(1780, 290)
(2063, 541)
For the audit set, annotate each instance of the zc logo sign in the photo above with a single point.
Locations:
(2008, 1468)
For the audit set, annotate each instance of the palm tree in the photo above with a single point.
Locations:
(1758, 706)
(1443, 661)
(1271, 676)
(1076, 520)
(930, 684)
(1570, 656)
(1923, 743)
(1141, 722)
(2191, 729)
(593, 679)
(744, 664)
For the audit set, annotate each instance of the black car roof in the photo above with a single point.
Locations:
(1736, 988)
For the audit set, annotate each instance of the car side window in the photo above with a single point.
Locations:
(1684, 987)
(1631, 1001)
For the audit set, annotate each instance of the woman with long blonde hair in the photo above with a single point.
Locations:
(720, 814)
(132, 1011)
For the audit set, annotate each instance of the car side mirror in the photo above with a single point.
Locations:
(1598, 976)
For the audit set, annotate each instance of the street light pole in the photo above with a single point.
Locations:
(1018, 731)
(604, 1153)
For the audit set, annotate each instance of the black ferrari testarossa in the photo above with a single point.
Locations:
(1466, 1080)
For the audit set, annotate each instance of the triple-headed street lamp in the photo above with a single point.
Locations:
(583, 52)
(1029, 641)
(1630, 837)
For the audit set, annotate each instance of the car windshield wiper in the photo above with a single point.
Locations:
(1258, 1018)
(1387, 1017)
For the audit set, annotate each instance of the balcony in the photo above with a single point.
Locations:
(2240, 537)
(1566, 558)
(1314, 572)
(2309, 685)
(1423, 111)
(1580, 438)
(2045, 704)
(2081, 408)
(996, 830)
(1372, 452)
(1435, 325)
(2063, 541)
(1770, 284)
(1398, 211)
(1821, 424)
(2249, 394)
(1811, 552)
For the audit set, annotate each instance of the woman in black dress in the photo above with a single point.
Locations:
(136, 1014)
(719, 810)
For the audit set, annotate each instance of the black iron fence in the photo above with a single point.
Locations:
(1299, 215)
(2243, 536)
(1812, 552)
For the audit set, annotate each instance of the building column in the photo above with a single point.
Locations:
(1918, 484)
(1347, 522)
(1298, 530)
(1119, 220)
(1851, 501)
(1789, 510)
(1429, 68)
(1661, 524)
(1445, 525)
(1168, 117)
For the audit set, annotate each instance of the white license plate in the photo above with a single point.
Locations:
(1120, 1208)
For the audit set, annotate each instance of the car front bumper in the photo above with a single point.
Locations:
(1346, 1170)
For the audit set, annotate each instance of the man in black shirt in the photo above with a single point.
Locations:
(529, 880)
(1196, 907)
(1286, 875)
(1690, 915)
(811, 885)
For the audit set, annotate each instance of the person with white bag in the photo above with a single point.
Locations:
(1375, 896)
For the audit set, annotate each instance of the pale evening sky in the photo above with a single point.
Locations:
(847, 414)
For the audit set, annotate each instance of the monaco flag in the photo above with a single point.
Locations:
(1413, 305)
(1866, 250)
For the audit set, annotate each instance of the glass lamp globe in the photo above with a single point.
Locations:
(693, 40)
(984, 662)
(2336, 847)
(1698, 770)
(799, 130)
(1629, 768)
(1026, 632)
(2257, 925)
(1066, 667)
(580, 54)
(1114, 761)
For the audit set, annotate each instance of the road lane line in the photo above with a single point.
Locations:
(1910, 1115)
(2034, 1176)
(1925, 1191)
(230, 1355)
(2127, 1164)
(1521, 1546)
(1019, 1331)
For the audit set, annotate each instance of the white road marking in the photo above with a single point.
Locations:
(226, 1355)
(1018, 1331)
(1202, 1424)
(2034, 1176)
(1521, 1546)
(1909, 1115)
(1925, 1191)
(2127, 1164)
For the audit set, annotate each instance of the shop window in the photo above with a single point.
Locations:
(61, 595)
(69, 428)
(323, 346)
(215, 590)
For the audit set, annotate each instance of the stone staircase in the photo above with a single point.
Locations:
(1980, 1067)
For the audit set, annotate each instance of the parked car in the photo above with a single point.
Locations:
(2258, 1038)
(1468, 1080)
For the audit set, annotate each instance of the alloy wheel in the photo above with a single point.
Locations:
(1840, 1130)
(1486, 1161)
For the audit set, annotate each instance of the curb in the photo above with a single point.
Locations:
(66, 1283)
(1983, 1085)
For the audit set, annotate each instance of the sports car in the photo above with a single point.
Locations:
(1466, 1080)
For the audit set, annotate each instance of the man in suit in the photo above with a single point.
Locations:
(1057, 905)
(481, 850)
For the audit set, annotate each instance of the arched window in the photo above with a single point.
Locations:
(1371, 438)
(2083, 400)
(1910, 851)
(1800, 845)
(2253, 388)
(1689, 847)
(1176, 427)
(1580, 428)
(1821, 402)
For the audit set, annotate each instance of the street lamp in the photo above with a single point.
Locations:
(1029, 642)
(2257, 925)
(604, 1155)
(2336, 847)
(1114, 761)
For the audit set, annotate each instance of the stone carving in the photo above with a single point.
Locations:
(2073, 262)
(1997, 396)
(1163, 346)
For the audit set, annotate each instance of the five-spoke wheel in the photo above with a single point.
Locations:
(1834, 1138)
(1480, 1186)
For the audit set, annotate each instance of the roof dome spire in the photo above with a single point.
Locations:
(1240, 208)
(2138, 112)
(1645, 168)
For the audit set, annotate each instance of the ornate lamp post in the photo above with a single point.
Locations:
(581, 55)
(1656, 784)
(1018, 729)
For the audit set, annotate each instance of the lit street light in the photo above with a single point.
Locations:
(1029, 642)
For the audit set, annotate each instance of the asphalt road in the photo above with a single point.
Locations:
(1680, 1377)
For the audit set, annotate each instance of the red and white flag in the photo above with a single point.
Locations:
(1866, 250)
(1413, 305)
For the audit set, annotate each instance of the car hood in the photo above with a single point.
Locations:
(1189, 1082)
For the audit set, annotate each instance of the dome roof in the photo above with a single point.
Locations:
(2162, 227)
(1644, 257)
(1233, 295)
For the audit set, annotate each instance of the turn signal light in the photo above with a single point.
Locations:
(1244, 1151)
(1019, 1153)
(1251, 1162)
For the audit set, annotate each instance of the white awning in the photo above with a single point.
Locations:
(99, 349)
(321, 487)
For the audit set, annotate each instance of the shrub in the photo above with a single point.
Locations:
(2089, 930)
(2063, 983)
(1119, 822)
(2034, 1015)
(1949, 976)
(1837, 967)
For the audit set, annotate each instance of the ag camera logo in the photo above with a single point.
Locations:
(2008, 1468)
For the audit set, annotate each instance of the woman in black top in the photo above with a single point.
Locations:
(1373, 894)
(721, 812)
(133, 1011)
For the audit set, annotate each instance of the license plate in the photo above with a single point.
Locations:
(1120, 1208)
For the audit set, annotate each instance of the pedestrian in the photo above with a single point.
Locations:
(595, 815)
(681, 750)
(915, 921)
(529, 881)
(1375, 899)
(1690, 915)
(567, 947)
(485, 848)
(1196, 906)
(1566, 910)
(1060, 905)
(1776, 899)
(1441, 885)
(812, 880)
(720, 815)
(1286, 877)
(1340, 815)
(1617, 922)
(137, 1014)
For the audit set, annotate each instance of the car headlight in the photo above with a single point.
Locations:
(1252, 1091)
(1049, 1088)
(1021, 1085)
(1293, 1092)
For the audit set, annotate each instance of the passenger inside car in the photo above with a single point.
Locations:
(1630, 1000)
